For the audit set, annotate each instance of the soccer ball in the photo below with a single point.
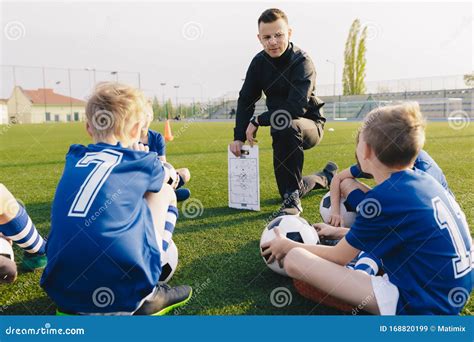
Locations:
(171, 176)
(294, 228)
(348, 214)
(6, 249)
(169, 262)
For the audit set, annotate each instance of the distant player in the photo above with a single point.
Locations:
(112, 217)
(156, 143)
(16, 226)
(408, 220)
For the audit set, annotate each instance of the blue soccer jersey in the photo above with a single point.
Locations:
(416, 227)
(102, 250)
(423, 162)
(156, 143)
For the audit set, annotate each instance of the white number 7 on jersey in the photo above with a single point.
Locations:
(105, 161)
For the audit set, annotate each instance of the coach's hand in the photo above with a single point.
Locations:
(236, 147)
(251, 133)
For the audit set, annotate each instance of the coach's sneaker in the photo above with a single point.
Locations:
(291, 204)
(165, 299)
(33, 261)
(328, 173)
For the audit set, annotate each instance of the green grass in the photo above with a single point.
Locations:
(219, 254)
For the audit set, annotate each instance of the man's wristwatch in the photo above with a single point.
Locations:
(254, 120)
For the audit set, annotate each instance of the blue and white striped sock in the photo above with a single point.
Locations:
(367, 263)
(23, 232)
(171, 217)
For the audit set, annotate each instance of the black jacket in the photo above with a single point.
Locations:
(288, 83)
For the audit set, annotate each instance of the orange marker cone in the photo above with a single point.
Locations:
(168, 134)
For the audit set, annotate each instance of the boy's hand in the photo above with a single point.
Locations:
(325, 230)
(336, 220)
(277, 248)
(137, 146)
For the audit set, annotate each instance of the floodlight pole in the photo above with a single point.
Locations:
(334, 88)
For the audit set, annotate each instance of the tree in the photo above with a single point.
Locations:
(353, 78)
(469, 79)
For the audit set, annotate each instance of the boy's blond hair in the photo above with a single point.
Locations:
(395, 133)
(114, 107)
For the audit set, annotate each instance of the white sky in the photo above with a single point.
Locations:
(408, 40)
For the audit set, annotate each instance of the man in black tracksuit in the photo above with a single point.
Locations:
(287, 76)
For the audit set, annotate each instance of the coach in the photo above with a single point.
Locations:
(287, 77)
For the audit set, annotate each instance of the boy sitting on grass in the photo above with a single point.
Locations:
(156, 143)
(113, 216)
(16, 226)
(345, 183)
(408, 220)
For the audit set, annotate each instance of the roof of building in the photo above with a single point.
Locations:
(48, 96)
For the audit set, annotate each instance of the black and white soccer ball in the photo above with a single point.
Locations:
(171, 176)
(169, 263)
(294, 228)
(348, 214)
(6, 249)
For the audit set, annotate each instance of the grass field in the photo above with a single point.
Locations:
(219, 254)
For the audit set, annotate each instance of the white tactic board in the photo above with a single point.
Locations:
(244, 179)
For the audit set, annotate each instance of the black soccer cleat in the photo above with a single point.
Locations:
(165, 299)
(291, 204)
(328, 173)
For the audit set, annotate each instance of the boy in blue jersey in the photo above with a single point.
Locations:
(113, 216)
(156, 143)
(408, 220)
(16, 226)
(345, 184)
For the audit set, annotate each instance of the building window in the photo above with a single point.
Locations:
(76, 116)
(69, 117)
(56, 117)
(48, 116)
